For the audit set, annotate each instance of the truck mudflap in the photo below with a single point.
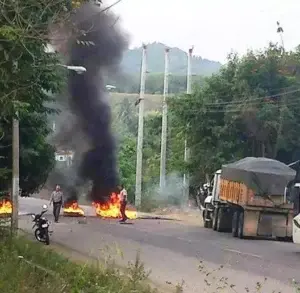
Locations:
(267, 224)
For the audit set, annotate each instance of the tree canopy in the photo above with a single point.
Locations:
(249, 108)
(27, 74)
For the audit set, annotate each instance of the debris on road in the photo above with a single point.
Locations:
(82, 221)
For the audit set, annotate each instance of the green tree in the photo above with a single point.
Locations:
(151, 151)
(36, 155)
(127, 164)
(27, 73)
(248, 109)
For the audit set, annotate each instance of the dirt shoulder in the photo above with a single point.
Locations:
(191, 216)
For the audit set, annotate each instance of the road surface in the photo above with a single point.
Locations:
(175, 251)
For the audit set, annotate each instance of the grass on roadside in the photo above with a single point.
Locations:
(41, 270)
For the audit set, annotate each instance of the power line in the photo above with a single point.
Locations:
(255, 99)
(207, 107)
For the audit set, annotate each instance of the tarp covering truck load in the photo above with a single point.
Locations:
(248, 199)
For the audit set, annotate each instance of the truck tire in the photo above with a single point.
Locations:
(235, 223)
(219, 220)
(240, 232)
(215, 219)
(205, 223)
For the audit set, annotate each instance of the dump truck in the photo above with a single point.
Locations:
(248, 199)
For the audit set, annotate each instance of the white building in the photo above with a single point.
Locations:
(65, 157)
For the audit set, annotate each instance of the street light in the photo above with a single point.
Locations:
(110, 87)
(51, 50)
(77, 69)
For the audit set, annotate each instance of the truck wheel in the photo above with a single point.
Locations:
(235, 223)
(204, 218)
(215, 219)
(240, 232)
(219, 220)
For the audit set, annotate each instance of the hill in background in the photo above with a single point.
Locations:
(131, 63)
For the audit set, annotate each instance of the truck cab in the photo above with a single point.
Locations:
(216, 187)
(211, 200)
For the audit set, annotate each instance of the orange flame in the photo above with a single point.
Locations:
(73, 209)
(5, 207)
(111, 209)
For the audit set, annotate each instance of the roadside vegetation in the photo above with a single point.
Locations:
(28, 267)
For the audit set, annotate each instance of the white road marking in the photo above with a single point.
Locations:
(243, 253)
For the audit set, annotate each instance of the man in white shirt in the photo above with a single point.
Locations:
(57, 200)
(123, 202)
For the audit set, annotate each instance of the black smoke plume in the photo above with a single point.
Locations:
(96, 44)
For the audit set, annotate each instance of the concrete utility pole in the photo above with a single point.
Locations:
(186, 149)
(280, 32)
(189, 72)
(15, 175)
(163, 152)
(284, 98)
(139, 151)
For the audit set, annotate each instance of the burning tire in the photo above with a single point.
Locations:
(111, 209)
(72, 209)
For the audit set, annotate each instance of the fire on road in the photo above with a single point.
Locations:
(109, 209)
(5, 207)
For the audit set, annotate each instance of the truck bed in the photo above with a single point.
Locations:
(239, 194)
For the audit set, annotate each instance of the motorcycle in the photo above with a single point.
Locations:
(41, 232)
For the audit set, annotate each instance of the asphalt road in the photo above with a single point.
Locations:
(175, 251)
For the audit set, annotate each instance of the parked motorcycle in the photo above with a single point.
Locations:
(41, 232)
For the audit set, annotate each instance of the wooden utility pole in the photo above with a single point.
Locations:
(163, 152)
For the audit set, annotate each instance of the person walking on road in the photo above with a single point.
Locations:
(57, 200)
(123, 202)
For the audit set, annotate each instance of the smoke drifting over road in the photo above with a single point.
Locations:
(97, 45)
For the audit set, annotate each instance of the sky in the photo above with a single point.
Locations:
(214, 27)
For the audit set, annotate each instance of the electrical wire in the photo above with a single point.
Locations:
(213, 107)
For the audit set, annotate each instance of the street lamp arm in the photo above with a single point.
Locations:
(78, 69)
